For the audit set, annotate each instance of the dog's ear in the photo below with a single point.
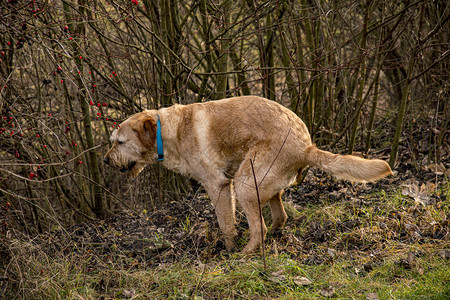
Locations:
(145, 126)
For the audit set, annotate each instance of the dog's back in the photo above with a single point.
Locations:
(227, 129)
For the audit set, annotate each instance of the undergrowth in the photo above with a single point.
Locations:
(375, 246)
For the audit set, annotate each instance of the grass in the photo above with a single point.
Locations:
(236, 277)
(374, 258)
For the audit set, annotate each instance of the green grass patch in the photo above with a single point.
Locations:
(428, 277)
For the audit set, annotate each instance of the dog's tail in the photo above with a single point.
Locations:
(347, 167)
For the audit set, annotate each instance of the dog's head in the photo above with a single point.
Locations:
(133, 144)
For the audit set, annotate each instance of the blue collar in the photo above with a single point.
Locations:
(159, 142)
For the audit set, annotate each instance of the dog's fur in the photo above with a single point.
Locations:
(213, 142)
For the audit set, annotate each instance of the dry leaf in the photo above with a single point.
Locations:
(445, 254)
(371, 296)
(411, 257)
(328, 292)
(127, 294)
(422, 194)
(332, 252)
(300, 280)
(277, 276)
(438, 169)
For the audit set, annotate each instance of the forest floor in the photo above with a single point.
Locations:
(388, 240)
(385, 240)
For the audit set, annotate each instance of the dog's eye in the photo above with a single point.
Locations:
(120, 142)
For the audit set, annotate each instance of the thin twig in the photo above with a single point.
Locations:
(53, 164)
(192, 296)
(260, 217)
(279, 151)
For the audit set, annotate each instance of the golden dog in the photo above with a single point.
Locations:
(213, 142)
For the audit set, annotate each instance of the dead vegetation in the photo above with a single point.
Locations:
(375, 232)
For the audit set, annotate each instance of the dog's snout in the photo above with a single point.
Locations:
(106, 160)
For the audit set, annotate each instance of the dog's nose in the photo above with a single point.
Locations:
(106, 160)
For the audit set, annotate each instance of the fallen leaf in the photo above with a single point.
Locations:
(332, 252)
(302, 281)
(445, 254)
(202, 230)
(127, 294)
(371, 296)
(314, 193)
(411, 257)
(419, 194)
(328, 292)
(277, 276)
(438, 169)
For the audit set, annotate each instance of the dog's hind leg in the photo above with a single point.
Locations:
(272, 175)
(245, 191)
(279, 216)
(246, 195)
(224, 206)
